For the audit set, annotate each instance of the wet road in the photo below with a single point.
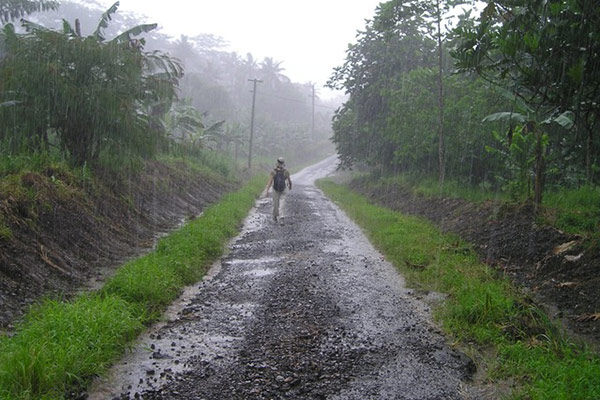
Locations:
(303, 309)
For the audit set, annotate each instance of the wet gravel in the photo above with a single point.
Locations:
(301, 309)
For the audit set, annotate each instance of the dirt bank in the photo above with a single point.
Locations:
(556, 268)
(67, 236)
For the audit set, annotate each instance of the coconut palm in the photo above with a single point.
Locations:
(271, 72)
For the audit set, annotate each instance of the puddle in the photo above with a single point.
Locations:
(252, 261)
(260, 272)
(157, 365)
(159, 354)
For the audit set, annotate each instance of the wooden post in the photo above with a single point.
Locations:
(255, 81)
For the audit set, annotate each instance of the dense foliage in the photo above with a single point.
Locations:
(519, 102)
(13, 9)
(544, 53)
(94, 95)
(87, 95)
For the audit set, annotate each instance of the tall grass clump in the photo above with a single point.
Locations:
(12, 162)
(575, 210)
(5, 231)
(200, 160)
(428, 187)
(62, 345)
(482, 307)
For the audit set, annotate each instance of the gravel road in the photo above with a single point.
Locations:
(301, 309)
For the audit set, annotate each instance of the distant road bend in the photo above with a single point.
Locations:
(306, 309)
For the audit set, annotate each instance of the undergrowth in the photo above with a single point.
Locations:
(5, 231)
(573, 210)
(204, 161)
(61, 345)
(482, 307)
(429, 187)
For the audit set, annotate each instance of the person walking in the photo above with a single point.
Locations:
(278, 179)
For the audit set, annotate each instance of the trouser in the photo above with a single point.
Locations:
(277, 197)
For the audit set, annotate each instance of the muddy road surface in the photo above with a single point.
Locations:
(300, 309)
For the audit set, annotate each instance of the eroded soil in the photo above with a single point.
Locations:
(69, 237)
(300, 309)
(559, 271)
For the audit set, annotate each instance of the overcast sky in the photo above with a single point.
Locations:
(309, 37)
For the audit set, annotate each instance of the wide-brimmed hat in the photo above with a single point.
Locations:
(280, 160)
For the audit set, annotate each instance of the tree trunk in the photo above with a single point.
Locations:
(588, 156)
(441, 145)
(539, 169)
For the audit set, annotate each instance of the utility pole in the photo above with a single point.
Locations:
(255, 81)
(312, 124)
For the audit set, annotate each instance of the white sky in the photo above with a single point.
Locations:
(309, 37)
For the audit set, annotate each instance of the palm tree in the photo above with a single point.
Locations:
(250, 64)
(271, 72)
(185, 51)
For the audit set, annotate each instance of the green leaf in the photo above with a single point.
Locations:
(135, 31)
(10, 103)
(532, 41)
(565, 120)
(575, 72)
(519, 102)
(214, 128)
(32, 26)
(505, 116)
(103, 24)
(489, 11)
(68, 29)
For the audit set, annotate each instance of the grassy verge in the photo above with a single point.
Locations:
(62, 345)
(483, 309)
(429, 187)
(575, 211)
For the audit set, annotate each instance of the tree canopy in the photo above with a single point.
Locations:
(530, 67)
(15, 9)
(95, 95)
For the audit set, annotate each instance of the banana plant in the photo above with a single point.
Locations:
(532, 122)
(105, 95)
(14, 9)
(183, 121)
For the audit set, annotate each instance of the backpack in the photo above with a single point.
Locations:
(279, 180)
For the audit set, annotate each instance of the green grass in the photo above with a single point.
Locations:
(29, 161)
(429, 187)
(482, 307)
(61, 345)
(202, 162)
(5, 231)
(575, 211)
